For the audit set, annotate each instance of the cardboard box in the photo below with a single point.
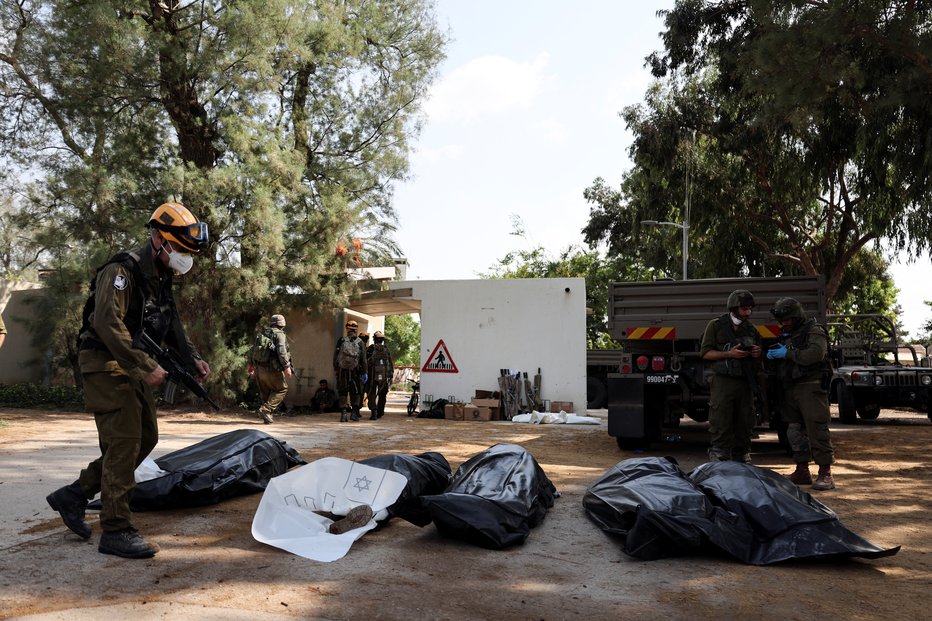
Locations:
(487, 394)
(566, 406)
(453, 411)
(491, 404)
(473, 412)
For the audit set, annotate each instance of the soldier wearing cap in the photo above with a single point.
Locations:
(270, 362)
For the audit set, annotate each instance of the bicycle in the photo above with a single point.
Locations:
(415, 399)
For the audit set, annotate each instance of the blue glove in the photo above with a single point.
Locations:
(777, 351)
(365, 376)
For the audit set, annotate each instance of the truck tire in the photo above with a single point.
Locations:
(846, 410)
(868, 411)
(596, 393)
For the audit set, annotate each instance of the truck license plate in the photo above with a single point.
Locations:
(666, 378)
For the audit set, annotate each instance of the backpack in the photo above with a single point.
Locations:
(348, 353)
(264, 350)
(379, 367)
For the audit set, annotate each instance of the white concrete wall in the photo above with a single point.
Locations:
(517, 324)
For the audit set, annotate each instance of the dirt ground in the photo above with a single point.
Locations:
(210, 567)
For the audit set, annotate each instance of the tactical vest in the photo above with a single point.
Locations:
(730, 366)
(794, 370)
(153, 315)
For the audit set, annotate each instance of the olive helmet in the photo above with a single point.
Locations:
(178, 225)
(277, 321)
(351, 325)
(739, 298)
(378, 335)
(788, 308)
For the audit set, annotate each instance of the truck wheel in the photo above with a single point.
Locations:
(596, 393)
(868, 411)
(846, 411)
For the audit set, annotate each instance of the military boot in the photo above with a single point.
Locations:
(801, 476)
(71, 504)
(126, 543)
(356, 417)
(824, 480)
(344, 413)
(373, 415)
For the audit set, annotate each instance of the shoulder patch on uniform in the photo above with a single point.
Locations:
(119, 282)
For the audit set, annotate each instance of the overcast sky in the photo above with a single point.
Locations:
(523, 117)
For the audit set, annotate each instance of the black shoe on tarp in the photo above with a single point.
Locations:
(126, 543)
(71, 504)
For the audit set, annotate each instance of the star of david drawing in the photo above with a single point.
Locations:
(362, 483)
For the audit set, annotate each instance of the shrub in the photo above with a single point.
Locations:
(35, 395)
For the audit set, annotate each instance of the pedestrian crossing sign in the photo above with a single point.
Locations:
(440, 360)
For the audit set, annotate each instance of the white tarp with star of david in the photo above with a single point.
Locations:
(286, 515)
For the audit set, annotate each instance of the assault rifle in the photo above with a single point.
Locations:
(170, 361)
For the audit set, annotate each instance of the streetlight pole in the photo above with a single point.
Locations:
(685, 225)
(685, 228)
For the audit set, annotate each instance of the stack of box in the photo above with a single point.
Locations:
(561, 406)
(486, 405)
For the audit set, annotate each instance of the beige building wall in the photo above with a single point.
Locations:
(312, 341)
(19, 360)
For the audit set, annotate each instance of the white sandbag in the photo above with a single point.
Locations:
(286, 515)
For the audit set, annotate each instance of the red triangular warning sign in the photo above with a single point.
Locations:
(440, 361)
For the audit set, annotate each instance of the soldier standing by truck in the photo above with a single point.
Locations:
(732, 344)
(804, 352)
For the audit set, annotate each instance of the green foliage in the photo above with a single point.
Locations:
(574, 262)
(403, 337)
(282, 124)
(802, 129)
(36, 395)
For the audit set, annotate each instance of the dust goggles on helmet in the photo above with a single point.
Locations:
(192, 237)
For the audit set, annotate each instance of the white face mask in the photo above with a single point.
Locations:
(735, 320)
(178, 261)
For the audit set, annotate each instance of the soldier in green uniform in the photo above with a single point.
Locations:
(130, 294)
(349, 364)
(379, 361)
(804, 352)
(732, 344)
(270, 362)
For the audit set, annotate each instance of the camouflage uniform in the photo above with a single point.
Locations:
(113, 372)
(379, 360)
(270, 375)
(350, 382)
(806, 408)
(731, 404)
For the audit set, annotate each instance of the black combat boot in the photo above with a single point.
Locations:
(801, 476)
(71, 503)
(343, 415)
(126, 543)
(356, 417)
